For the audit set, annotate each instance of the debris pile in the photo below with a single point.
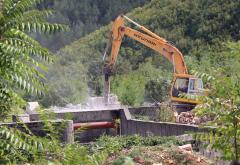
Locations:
(190, 118)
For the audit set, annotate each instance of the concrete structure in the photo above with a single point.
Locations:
(152, 113)
(82, 116)
(22, 117)
(32, 107)
(131, 126)
(128, 125)
(65, 128)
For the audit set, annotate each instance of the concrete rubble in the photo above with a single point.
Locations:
(187, 148)
(32, 107)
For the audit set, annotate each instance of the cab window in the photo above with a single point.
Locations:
(180, 86)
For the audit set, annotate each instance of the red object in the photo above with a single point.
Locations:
(94, 125)
(122, 29)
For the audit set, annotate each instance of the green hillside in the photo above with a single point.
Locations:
(197, 27)
(83, 17)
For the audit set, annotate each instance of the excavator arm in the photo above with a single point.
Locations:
(150, 39)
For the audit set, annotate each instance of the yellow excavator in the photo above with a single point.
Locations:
(182, 81)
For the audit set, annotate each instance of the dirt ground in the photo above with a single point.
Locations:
(158, 155)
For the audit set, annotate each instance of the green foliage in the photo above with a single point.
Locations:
(17, 146)
(223, 105)
(20, 55)
(166, 114)
(83, 17)
(76, 154)
(113, 144)
(157, 81)
(130, 89)
(147, 83)
(124, 160)
(106, 145)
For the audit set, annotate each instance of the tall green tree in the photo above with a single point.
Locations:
(223, 104)
(20, 55)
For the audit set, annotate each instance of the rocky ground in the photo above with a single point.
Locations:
(190, 118)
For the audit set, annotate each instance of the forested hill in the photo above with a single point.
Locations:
(83, 17)
(197, 27)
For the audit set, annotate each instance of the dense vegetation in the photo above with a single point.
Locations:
(223, 104)
(83, 17)
(197, 28)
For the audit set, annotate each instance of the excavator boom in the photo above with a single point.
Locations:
(150, 40)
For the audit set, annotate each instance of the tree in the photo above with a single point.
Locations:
(129, 88)
(83, 17)
(157, 81)
(223, 105)
(20, 55)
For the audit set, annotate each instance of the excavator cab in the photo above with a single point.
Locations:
(186, 84)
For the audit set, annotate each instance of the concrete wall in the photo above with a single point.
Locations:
(131, 126)
(65, 128)
(151, 112)
(82, 116)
